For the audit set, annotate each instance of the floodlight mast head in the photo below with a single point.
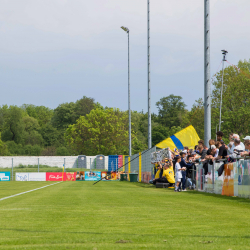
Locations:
(125, 29)
(224, 53)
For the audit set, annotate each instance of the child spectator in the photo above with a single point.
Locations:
(178, 174)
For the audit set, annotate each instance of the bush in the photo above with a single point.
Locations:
(14, 148)
(49, 151)
(62, 151)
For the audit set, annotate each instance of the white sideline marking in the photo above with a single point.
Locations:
(28, 191)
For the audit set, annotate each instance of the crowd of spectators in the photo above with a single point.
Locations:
(180, 169)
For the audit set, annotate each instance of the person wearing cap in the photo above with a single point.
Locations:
(212, 153)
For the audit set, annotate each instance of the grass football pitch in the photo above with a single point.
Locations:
(119, 215)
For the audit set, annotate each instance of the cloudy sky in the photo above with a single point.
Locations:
(55, 51)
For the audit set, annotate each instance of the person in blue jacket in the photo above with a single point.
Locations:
(186, 165)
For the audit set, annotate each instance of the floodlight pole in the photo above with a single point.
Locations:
(149, 94)
(224, 53)
(129, 110)
(207, 83)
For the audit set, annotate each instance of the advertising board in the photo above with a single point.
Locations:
(37, 177)
(80, 176)
(30, 176)
(22, 176)
(57, 176)
(92, 176)
(4, 176)
(69, 176)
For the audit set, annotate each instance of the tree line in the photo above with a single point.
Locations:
(86, 127)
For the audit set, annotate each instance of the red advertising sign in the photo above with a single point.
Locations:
(54, 176)
(69, 176)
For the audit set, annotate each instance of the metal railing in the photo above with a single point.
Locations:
(233, 181)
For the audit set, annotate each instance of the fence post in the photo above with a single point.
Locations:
(12, 171)
(123, 163)
(140, 167)
(128, 167)
(213, 176)
(64, 166)
(38, 164)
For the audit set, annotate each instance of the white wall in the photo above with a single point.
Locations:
(52, 161)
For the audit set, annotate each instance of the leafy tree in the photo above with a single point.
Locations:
(3, 148)
(13, 126)
(49, 151)
(67, 113)
(14, 148)
(64, 115)
(159, 133)
(62, 151)
(52, 136)
(84, 106)
(41, 113)
(195, 117)
(32, 150)
(102, 131)
(171, 110)
(31, 135)
(235, 102)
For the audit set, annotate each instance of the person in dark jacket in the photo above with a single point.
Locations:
(186, 165)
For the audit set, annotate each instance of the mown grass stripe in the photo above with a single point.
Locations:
(11, 196)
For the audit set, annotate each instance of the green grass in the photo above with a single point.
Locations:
(120, 215)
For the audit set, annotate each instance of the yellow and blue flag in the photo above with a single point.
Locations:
(187, 137)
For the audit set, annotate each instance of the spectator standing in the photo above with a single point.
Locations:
(222, 150)
(219, 136)
(247, 147)
(202, 151)
(231, 151)
(184, 166)
(237, 149)
(178, 174)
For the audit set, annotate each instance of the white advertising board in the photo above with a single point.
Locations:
(37, 177)
(22, 176)
(30, 176)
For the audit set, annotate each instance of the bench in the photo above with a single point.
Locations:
(161, 185)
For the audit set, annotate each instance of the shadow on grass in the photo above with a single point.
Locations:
(193, 192)
(223, 197)
(127, 234)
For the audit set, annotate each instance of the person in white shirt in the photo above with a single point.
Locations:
(231, 151)
(238, 149)
(178, 174)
